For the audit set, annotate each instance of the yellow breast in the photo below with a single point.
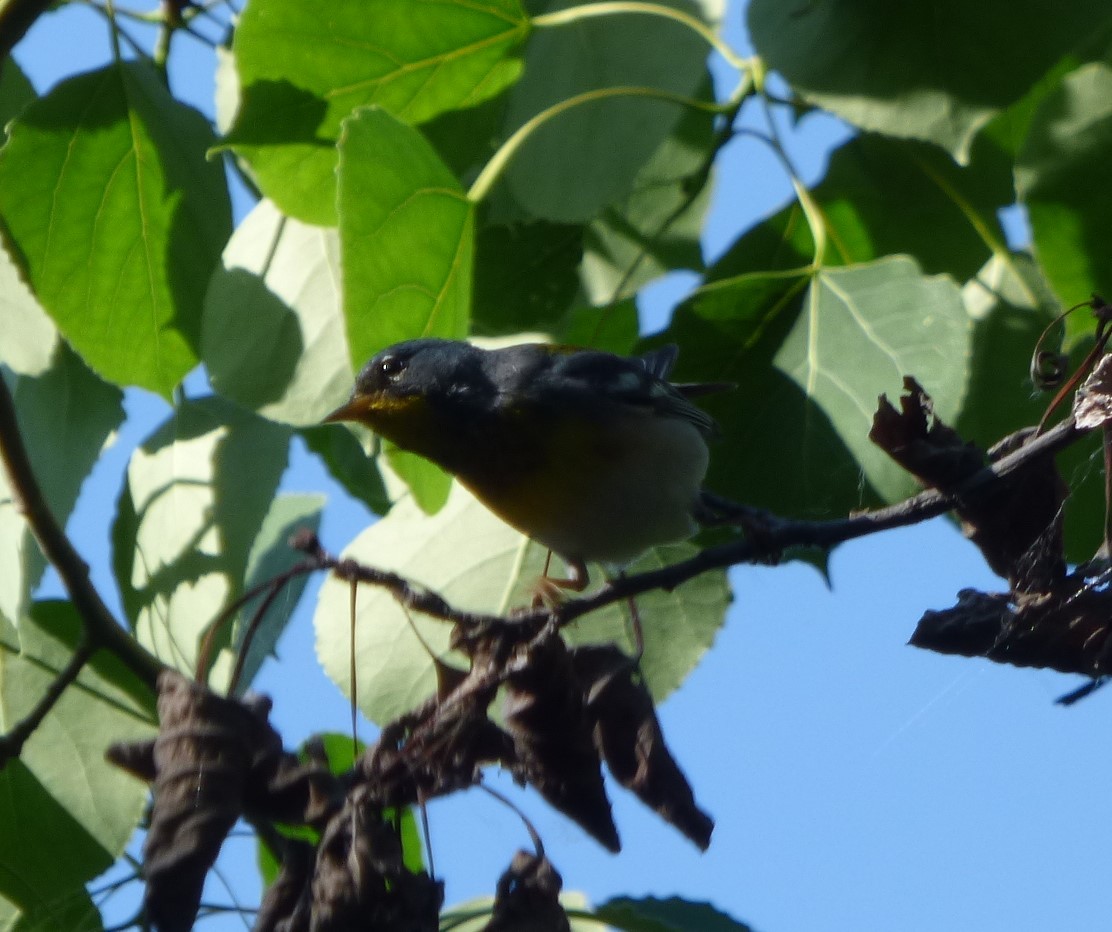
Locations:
(611, 494)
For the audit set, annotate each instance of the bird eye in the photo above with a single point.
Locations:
(392, 367)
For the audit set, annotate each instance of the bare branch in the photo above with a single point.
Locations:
(775, 535)
(102, 630)
(12, 743)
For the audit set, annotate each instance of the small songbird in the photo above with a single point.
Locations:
(596, 456)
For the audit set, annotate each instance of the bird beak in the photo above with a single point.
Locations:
(353, 410)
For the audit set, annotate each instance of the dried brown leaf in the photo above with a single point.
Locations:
(528, 898)
(1067, 628)
(551, 732)
(361, 882)
(628, 735)
(286, 906)
(1092, 405)
(214, 760)
(1014, 520)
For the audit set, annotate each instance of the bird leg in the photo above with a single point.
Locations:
(550, 590)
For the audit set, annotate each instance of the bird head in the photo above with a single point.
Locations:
(412, 392)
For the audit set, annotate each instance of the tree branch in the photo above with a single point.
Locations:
(102, 630)
(12, 743)
(774, 535)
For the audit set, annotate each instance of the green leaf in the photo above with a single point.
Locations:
(108, 198)
(428, 483)
(273, 335)
(271, 555)
(474, 915)
(614, 328)
(27, 335)
(809, 355)
(16, 92)
(70, 909)
(196, 495)
(865, 327)
(302, 73)
(924, 71)
(467, 139)
(1010, 305)
(679, 626)
(406, 237)
(590, 155)
(655, 228)
(349, 463)
(649, 914)
(476, 562)
(882, 196)
(1062, 176)
(67, 813)
(226, 92)
(526, 276)
(66, 416)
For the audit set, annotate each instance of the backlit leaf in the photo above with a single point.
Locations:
(67, 813)
(271, 556)
(477, 562)
(809, 354)
(119, 219)
(650, 914)
(406, 237)
(273, 336)
(926, 71)
(1062, 176)
(66, 416)
(303, 72)
(196, 494)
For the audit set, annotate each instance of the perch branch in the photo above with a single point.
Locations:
(775, 536)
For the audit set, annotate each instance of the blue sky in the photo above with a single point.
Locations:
(857, 783)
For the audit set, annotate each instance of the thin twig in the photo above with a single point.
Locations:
(11, 744)
(272, 587)
(776, 535)
(694, 184)
(249, 635)
(102, 630)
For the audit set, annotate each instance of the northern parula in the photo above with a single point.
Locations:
(596, 456)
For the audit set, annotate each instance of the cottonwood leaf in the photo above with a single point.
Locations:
(302, 73)
(67, 812)
(809, 352)
(196, 494)
(66, 417)
(589, 156)
(273, 336)
(1062, 177)
(118, 218)
(406, 237)
(479, 563)
(928, 72)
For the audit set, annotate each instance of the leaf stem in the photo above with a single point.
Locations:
(113, 29)
(695, 183)
(816, 221)
(117, 31)
(616, 7)
(998, 247)
(493, 169)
